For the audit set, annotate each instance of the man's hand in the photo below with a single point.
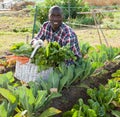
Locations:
(36, 43)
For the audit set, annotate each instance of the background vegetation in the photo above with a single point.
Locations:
(18, 26)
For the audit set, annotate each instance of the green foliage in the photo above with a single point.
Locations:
(24, 29)
(104, 96)
(8, 95)
(111, 20)
(7, 108)
(75, 6)
(84, 47)
(110, 51)
(3, 110)
(80, 110)
(49, 56)
(21, 49)
(52, 55)
(102, 102)
(102, 53)
(63, 76)
(6, 79)
(50, 112)
(116, 74)
(86, 20)
(43, 8)
(116, 113)
(31, 102)
(9, 102)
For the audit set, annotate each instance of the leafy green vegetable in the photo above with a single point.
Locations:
(50, 112)
(21, 49)
(8, 95)
(52, 55)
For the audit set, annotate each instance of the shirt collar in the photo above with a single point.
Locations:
(60, 28)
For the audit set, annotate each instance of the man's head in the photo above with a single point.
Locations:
(55, 17)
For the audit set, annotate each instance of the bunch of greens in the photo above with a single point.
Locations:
(21, 49)
(52, 55)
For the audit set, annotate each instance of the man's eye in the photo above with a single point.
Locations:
(59, 16)
(52, 15)
(56, 16)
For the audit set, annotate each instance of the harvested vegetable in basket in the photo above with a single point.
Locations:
(50, 55)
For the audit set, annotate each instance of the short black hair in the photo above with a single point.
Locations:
(55, 8)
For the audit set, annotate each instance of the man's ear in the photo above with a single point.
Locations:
(48, 16)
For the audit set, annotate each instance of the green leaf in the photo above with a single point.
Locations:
(101, 111)
(40, 100)
(21, 114)
(3, 110)
(63, 81)
(116, 74)
(10, 76)
(116, 113)
(110, 95)
(91, 113)
(26, 98)
(8, 95)
(6, 78)
(94, 105)
(53, 95)
(54, 79)
(81, 102)
(62, 68)
(44, 84)
(92, 93)
(47, 51)
(50, 112)
(70, 74)
(87, 70)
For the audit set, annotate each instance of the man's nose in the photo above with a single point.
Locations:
(56, 18)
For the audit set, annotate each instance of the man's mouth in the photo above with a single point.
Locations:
(55, 23)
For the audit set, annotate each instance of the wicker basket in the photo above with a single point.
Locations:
(29, 72)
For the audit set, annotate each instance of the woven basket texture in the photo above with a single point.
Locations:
(29, 72)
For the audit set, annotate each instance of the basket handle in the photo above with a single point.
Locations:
(34, 51)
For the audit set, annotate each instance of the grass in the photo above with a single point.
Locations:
(91, 36)
(9, 38)
(11, 32)
(102, 2)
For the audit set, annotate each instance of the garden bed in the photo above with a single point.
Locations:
(71, 95)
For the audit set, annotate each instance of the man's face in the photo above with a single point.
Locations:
(55, 18)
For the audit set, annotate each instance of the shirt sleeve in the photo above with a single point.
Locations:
(40, 35)
(73, 41)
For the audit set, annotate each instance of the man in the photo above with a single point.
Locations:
(56, 30)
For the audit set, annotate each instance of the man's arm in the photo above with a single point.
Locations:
(74, 46)
(38, 39)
